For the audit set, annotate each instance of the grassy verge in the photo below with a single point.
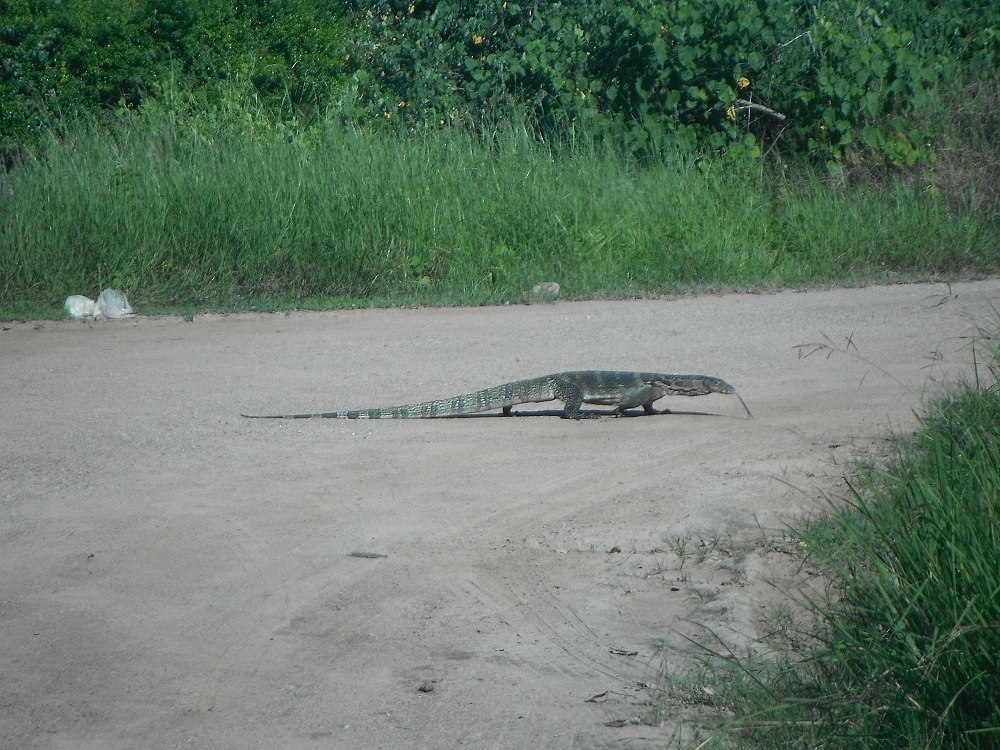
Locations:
(905, 651)
(231, 210)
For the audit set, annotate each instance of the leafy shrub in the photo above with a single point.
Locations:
(647, 67)
(62, 59)
(825, 79)
(837, 81)
(291, 51)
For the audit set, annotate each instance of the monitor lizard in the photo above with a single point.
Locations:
(623, 390)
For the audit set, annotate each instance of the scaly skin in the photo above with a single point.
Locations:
(623, 390)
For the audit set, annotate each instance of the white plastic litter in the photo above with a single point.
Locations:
(110, 304)
(79, 306)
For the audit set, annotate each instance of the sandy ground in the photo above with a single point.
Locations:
(172, 575)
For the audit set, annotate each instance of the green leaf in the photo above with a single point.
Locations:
(874, 137)
(660, 51)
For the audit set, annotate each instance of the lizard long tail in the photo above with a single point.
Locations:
(499, 397)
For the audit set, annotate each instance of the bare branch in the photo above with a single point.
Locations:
(746, 104)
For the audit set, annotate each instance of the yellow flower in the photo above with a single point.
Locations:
(477, 38)
(743, 82)
(731, 113)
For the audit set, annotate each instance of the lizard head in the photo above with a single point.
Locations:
(697, 385)
(693, 385)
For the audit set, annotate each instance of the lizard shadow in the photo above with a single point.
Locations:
(584, 414)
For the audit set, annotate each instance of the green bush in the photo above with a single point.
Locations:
(653, 70)
(825, 79)
(293, 52)
(829, 79)
(62, 59)
(59, 60)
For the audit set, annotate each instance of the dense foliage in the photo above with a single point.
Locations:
(827, 79)
(71, 57)
(198, 150)
(820, 78)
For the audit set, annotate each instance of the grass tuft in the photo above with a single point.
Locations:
(230, 208)
(904, 652)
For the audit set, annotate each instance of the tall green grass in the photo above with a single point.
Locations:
(905, 653)
(216, 207)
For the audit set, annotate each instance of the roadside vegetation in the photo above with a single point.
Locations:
(903, 649)
(222, 211)
(295, 153)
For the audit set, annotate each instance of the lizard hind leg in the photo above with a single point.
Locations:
(572, 397)
(572, 409)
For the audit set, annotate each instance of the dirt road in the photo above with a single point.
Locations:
(176, 576)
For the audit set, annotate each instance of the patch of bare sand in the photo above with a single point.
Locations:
(174, 575)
